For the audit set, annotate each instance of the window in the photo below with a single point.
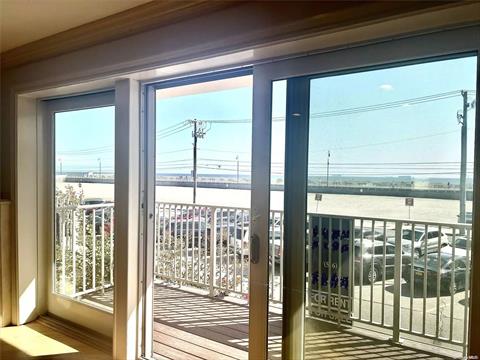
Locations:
(84, 204)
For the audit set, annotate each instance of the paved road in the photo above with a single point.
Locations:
(347, 205)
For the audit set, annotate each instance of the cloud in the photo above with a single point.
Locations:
(386, 87)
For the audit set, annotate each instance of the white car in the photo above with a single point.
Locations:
(243, 243)
(433, 239)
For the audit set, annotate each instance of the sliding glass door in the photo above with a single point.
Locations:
(338, 217)
(199, 172)
(369, 226)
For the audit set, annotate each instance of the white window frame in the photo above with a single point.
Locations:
(88, 315)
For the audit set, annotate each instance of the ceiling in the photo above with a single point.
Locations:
(24, 21)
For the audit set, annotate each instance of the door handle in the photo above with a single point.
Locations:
(254, 249)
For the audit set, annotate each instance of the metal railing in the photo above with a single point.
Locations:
(84, 245)
(208, 247)
(409, 277)
(205, 246)
(404, 276)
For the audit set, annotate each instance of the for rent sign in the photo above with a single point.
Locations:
(330, 259)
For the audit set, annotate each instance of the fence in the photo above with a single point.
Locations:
(400, 270)
(407, 275)
(84, 245)
(404, 276)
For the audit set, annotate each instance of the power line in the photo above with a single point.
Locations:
(173, 132)
(171, 127)
(183, 125)
(388, 142)
(223, 151)
(174, 151)
(355, 110)
(387, 105)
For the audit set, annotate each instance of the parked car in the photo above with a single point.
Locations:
(461, 243)
(98, 222)
(373, 262)
(367, 232)
(198, 232)
(243, 244)
(95, 201)
(419, 238)
(446, 271)
(460, 248)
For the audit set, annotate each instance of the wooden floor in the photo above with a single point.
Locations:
(36, 340)
(193, 326)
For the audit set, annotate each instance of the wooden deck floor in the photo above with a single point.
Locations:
(192, 326)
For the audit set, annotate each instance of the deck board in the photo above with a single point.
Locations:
(192, 326)
(218, 349)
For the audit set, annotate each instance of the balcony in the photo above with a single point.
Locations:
(403, 301)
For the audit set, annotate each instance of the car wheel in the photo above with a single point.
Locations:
(373, 275)
(453, 289)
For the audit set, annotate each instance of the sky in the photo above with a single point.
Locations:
(420, 138)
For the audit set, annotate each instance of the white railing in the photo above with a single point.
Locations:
(205, 246)
(190, 250)
(208, 247)
(84, 245)
(390, 290)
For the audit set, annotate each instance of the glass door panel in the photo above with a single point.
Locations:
(81, 280)
(388, 225)
(202, 217)
(390, 182)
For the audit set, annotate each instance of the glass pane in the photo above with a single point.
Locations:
(84, 205)
(390, 182)
(202, 242)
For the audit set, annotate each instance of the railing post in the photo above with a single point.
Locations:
(213, 249)
(397, 281)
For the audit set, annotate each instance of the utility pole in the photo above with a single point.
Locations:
(463, 154)
(238, 170)
(328, 165)
(198, 132)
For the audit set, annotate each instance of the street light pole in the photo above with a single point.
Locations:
(238, 170)
(328, 165)
(463, 161)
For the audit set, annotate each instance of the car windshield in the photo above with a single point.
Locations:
(407, 234)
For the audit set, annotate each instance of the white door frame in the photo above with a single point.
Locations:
(147, 191)
(418, 48)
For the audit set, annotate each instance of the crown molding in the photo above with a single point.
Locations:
(273, 21)
(123, 24)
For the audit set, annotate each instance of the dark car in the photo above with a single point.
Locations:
(446, 272)
(461, 243)
(197, 233)
(373, 260)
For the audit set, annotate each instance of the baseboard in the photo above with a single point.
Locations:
(80, 333)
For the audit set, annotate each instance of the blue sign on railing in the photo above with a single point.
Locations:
(330, 284)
